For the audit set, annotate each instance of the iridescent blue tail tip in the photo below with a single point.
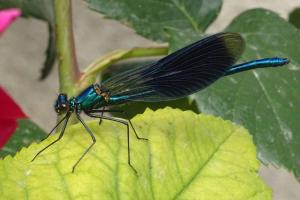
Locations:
(261, 63)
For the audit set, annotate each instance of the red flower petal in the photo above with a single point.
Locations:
(9, 108)
(9, 113)
(7, 128)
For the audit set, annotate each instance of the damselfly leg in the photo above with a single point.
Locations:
(59, 137)
(92, 136)
(98, 114)
(101, 111)
(50, 133)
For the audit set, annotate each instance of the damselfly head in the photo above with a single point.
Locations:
(61, 104)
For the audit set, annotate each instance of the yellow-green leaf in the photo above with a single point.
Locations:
(188, 156)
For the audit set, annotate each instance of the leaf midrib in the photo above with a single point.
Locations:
(202, 167)
(183, 10)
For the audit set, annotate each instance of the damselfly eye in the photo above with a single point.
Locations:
(61, 104)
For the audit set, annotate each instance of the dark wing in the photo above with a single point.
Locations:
(181, 73)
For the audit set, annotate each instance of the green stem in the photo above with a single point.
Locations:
(90, 73)
(68, 68)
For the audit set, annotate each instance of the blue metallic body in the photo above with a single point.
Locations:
(89, 99)
(262, 63)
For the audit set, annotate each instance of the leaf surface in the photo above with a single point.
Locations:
(188, 156)
(151, 19)
(265, 101)
(26, 133)
(294, 17)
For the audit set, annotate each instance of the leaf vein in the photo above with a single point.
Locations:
(202, 167)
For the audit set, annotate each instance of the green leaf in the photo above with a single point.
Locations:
(26, 133)
(43, 10)
(51, 54)
(294, 17)
(265, 101)
(151, 19)
(188, 156)
(134, 108)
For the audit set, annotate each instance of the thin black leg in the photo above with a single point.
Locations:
(136, 135)
(118, 111)
(102, 112)
(87, 150)
(59, 137)
(122, 122)
(54, 127)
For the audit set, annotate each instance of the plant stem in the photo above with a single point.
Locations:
(68, 68)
